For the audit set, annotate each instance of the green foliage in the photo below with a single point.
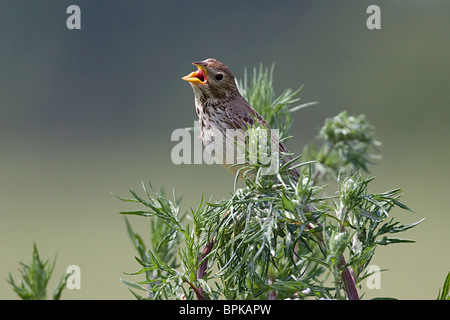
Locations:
(445, 293)
(348, 145)
(165, 239)
(277, 237)
(35, 277)
(261, 95)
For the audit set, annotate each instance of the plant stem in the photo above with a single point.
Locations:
(203, 265)
(348, 279)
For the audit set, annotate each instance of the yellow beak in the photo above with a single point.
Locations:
(198, 76)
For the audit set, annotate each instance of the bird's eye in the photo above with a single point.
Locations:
(219, 76)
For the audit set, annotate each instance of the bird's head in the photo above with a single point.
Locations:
(212, 80)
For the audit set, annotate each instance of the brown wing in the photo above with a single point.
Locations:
(241, 114)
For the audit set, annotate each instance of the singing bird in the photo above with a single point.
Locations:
(221, 107)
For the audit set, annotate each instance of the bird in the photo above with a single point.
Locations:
(222, 109)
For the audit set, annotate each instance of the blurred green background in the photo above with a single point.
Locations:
(86, 113)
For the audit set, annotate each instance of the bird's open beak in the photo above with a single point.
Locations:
(198, 76)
